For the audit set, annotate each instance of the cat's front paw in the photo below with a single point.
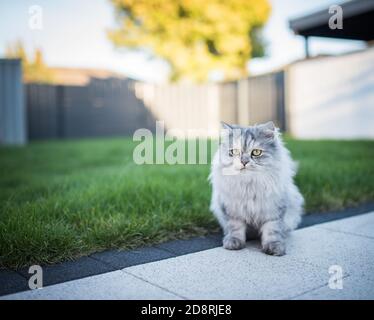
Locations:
(275, 248)
(232, 243)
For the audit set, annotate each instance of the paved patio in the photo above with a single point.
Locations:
(346, 245)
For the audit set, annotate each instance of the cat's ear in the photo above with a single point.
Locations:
(226, 131)
(268, 126)
(269, 130)
(226, 126)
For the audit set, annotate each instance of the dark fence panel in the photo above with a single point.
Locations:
(101, 108)
(42, 111)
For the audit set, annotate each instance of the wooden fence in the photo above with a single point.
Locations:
(254, 100)
(118, 107)
(101, 108)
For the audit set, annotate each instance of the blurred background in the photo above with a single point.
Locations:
(106, 68)
(78, 78)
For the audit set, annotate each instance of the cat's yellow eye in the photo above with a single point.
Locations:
(234, 152)
(256, 152)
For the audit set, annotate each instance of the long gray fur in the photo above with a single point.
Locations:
(255, 192)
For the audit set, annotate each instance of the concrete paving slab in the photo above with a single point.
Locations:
(354, 288)
(362, 225)
(222, 274)
(325, 248)
(250, 274)
(112, 285)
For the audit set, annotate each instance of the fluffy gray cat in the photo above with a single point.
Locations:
(253, 189)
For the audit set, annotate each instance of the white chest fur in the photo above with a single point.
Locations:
(253, 197)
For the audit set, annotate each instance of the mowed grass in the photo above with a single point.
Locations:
(62, 200)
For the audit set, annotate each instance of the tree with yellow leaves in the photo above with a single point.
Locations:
(195, 37)
(34, 69)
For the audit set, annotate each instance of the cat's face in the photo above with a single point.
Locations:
(246, 149)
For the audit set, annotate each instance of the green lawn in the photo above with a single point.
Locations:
(61, 200)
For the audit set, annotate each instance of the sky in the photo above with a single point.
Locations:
(73, 34)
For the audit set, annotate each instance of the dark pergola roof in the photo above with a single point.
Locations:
(358, 22)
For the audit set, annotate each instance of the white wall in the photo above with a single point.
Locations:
(332, 97)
